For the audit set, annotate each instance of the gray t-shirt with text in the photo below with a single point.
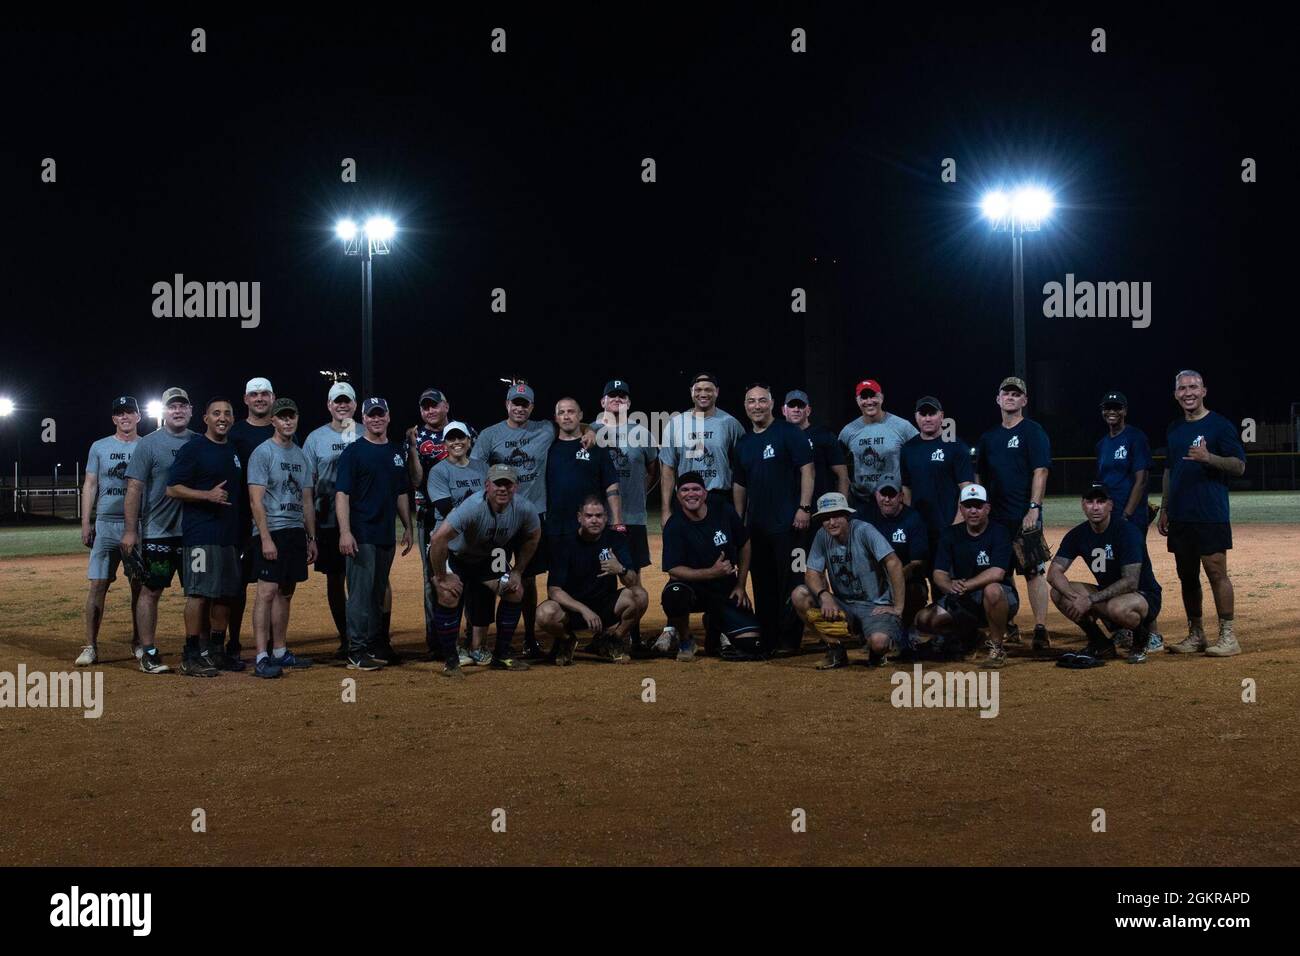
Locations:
(108, 459)
(855, 567)
(523, 449)
(282, 472)
(482, 530)
(160, 516)
(457, 482)
(692, 442)
(631, 448)
(874, 451)
(322, 448)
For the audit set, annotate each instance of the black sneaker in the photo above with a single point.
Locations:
(344, 651)
(452, 669)
(875, 659)
(836, 657)
(1041, 641)
(507, 664)
(195, 666)
(364, 662)
(387, 654)
(151, 662)
(1100, 650)
(532, 651)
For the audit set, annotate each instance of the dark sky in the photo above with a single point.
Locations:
(523, 171)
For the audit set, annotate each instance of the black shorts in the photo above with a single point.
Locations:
(638, 543)
(603, 606)
(1153, 607)
(328, 558)
(163, 559)
(1195, 538)
(476, 597)
(968, 609)
(248, 549)
(290, 564)
(541, 562)
(725, 614)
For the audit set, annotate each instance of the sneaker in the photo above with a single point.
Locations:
(151, 663)
(88, 656)
(686, 650)
(344, 651)
(387, 654)
(667, 642)
(1137, 657)
(1012, 635)
(463, 658)
(1191, 644)
(532, 650)
(266, 667)
(562, 650)
(615, 650)
(196, 666)
(1155, 643)
(1226, 646)
(508, 663)
(364, 662)
(875, 659)
(836, 657)
(1041, 641)
(292, 660)
(452, 671)
(997, 656)
(1101, 650)
(480, 657)
(226, 660)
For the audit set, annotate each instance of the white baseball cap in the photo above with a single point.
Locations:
(455, 427)
(342, 388)
(974, 493)
(258, 385)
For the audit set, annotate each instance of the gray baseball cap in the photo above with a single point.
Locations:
(521, 390)
(797, 395)
(497, 472)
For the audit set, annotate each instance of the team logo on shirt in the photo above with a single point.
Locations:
(1200, 440)
(719, 538)
(1110, 553)
(937, 455)
(606, 554)
(1121, 453)
(899, 536)
(237, 464)
(582, 455)
(982, 559)
(769, 452)
(1013, 441)
(397, 460)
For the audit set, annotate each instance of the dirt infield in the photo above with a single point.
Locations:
(709, 773)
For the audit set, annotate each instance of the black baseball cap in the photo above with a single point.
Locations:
(690, 478)
(705, 377)
(616, 385)
(1096, 491)
(928, 401)
(370, 404)
(433, 395)
(125, 403)
(1114, 398)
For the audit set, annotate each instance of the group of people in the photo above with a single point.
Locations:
(897, 535)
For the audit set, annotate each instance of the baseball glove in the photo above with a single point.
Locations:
(1031, 550)
(133, 565)
(837, 629)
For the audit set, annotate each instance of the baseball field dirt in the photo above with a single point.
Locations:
(711, 772)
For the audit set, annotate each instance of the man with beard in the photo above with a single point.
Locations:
(701, 440)
(872, 444)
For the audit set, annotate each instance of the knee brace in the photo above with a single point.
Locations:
(677, 599)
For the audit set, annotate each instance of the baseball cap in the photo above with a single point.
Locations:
(833, 503)
(1096, 490)
(796, 395)
(615, 385)
(889, 484)
(928, 401)
(705, 377)
(690, 478)
(432, 395)
(455, 427)
(974, 493)
(497, 472)
(1012, 382)
(342, 388)
(867, 383)
(125, 403)
(1114, 398)
(175, 395)
(370, 404)
(522, 390)
(283, 405)
(258, 385)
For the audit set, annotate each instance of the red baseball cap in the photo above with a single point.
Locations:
(870, 383)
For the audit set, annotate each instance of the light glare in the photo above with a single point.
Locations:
(380, 227)
(346, 230)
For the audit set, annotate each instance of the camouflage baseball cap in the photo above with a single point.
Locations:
(281, 405)
(1012, 382)
(498, 472)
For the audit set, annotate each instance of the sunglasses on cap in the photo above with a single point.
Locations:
(887, 492)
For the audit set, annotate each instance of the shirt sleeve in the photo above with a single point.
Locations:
(1130, 543)
(800, 451)
(1068, 549)
(739, 475)
(834, 450)
(963, 468)
(674, 554)
(622, 551)
(608, 473)
(739, 533)
(482, 449)
(435, 486)
(817, 554)
(918, 539)
(92, 459)
(531, 522)
(259, 467)
(1141, 457)
(558, 575)
(876, 543)
(138, 466)
(1040, 449)
(1227, 443)
(943, 554)
(345, 475)
(905, 465)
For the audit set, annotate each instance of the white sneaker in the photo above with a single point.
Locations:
(465, 659)
(88, 656)
(667, 642)
(1155, 643)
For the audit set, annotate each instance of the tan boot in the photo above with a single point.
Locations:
(1193, 643)
(1227, 645)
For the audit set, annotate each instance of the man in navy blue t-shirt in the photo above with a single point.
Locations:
(1014, 460)
(906, 533)
(1124, 461)
(772, 488)
(575, 470)
(934, 471)
(370, 493)
(1126, 594)
(1204, 452)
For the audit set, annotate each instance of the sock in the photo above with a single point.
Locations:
(507, 620)
(279, 652)
(1090, 628)
(446, 625)
(217, 639)
(191, 646)
(261, 656)
(1141, 636)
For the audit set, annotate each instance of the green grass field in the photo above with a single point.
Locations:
(1260, 507)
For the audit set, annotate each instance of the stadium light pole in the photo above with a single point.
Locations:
(1017, 212)
(366, 242)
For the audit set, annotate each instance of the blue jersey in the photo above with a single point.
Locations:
(1007, 459)
(1119, 459)
(933, 471)
(202, 464)
(697, 544)
(575, 565)
(572, 473)
(963, 555)
(1198, 493)
(767, 467)
(373, 475)
(906, 534)
(1106, 553)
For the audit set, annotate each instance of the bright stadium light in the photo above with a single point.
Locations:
(155, 411)
(380, 228)
(996, 205)
(6, 407)
(377, 233)
(346, 229)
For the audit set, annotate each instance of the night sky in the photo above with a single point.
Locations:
(523, 171)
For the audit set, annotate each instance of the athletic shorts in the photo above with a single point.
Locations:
(638, 543)
(211, 570)
(1153, 607)
(106, 551)
(1013, 529)
(290, 564)
(541, 562)
(328, 558)
(968, 609)
(603, 606)
(867, 623)
(248, 549)
(476, 597)
(163, 559)
(725, 615)
(1197, 539)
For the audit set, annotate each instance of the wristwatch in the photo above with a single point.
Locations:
(1035, 505)
(806, 509)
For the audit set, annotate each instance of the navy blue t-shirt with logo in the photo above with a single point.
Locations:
(373, 475)
(1198, 493)
(1007, 459)
(933, 471)
(575, 565)
(1107, 552)
(572, 473)
(767, 465)
(964, 555)
(202, 464)
(827, 452)
(905, 532)
(1119, 459)
(696, 544)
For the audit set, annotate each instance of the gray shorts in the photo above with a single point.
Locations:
(211, 570)
(105, 553)
(868, 623)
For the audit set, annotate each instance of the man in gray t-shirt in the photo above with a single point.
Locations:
(283, 473)
(521, 443)
(702, 440)
(872, 445)
(632, 451)
(104, 493)
(853, 584)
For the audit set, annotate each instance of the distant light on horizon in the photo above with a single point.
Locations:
(6, 407)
